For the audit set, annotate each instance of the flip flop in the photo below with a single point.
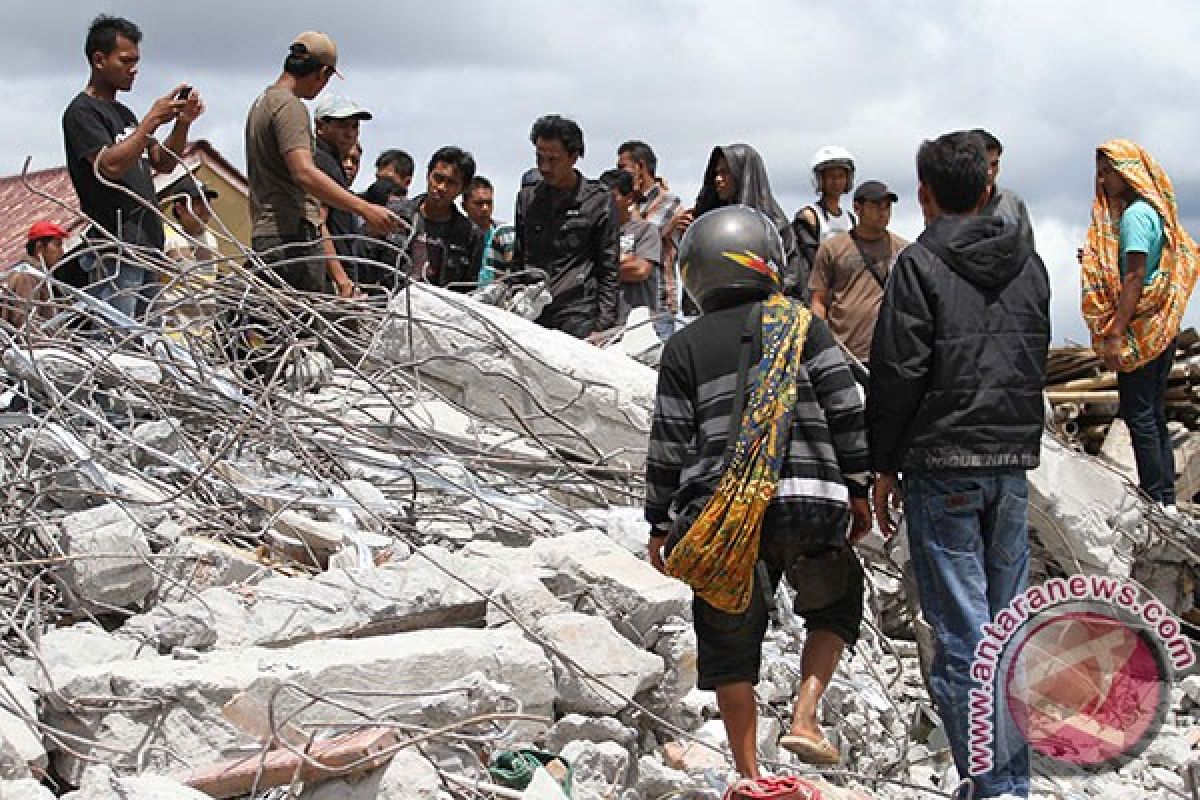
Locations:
(812, 751)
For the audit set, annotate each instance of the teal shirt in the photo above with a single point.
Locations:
(1142, 232)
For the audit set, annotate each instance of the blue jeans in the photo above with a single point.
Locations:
(968, 535)
(1143, 404)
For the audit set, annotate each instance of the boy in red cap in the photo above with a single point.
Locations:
(24, 284)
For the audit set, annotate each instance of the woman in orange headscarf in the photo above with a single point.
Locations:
(1139, 267)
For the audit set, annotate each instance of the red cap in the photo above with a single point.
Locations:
(44, 229)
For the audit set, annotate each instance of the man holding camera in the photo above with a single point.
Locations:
(102, 135)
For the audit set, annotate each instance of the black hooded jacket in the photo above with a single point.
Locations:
(958, 362)
(754, 190)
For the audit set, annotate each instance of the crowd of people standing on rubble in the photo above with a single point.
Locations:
(766, 455)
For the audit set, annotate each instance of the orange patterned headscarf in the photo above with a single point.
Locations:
(1164, 299)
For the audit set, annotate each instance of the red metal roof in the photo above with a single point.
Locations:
(20, 207)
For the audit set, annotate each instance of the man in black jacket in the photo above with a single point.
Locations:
(958, 364)
(444, 247)
(566, 226)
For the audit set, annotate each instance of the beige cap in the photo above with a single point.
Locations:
(319, 46)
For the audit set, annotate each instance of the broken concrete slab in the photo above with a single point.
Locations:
(108, 555)
(318, 534)
(24, 789)
(569, 393)
(594, 645)
(21, 744)
(408, 776)
(1084, 513)
(168, 706)
(613, 583)
(524, 598)
(197, 623)
(79, 646)
(101, 783)
(656, 779)
(280, 610)
(193, 564)
(599, 770)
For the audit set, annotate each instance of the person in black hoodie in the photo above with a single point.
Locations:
(736, 175)
(958, 364)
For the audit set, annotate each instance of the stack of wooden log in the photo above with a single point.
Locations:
(1083, 394)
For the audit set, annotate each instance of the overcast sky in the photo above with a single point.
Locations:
(1050, 79)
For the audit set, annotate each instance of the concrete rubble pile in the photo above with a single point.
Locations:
(414, 544)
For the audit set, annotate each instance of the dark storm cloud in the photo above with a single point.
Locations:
(1052, 80)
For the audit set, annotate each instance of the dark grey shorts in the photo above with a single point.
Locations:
(729, 646)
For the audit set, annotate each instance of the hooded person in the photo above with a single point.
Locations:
(736, 175)
(1138, 271)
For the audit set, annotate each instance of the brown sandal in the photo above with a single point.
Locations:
(812, 751)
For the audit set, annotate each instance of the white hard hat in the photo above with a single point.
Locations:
(832, 156)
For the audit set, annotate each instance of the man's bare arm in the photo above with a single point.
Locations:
(819, 306)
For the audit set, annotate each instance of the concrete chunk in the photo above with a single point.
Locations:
(598, 769)
(194, 564)
(408, 776)
(109, 551)
(614, 583)
(25, 789)
(79, 646)
(593, 644)
(410, 595)
(101, 783)
(20, 743)
(1083, 512)
(524, 597)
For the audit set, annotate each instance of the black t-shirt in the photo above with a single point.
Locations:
(89, 124)
(339, 222)
(443, 252)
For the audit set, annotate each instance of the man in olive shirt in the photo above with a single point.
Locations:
(286, 187)
(851, 269)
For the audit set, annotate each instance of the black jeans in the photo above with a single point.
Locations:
(1143, 404)
(296, 258)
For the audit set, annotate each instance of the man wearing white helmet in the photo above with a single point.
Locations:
(832, 177)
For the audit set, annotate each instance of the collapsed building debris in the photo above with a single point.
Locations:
(358, 558)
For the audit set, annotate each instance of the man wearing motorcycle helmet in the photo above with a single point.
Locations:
(814, 503)
(832, 177)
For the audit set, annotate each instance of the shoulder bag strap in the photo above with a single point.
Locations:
(874, 266)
